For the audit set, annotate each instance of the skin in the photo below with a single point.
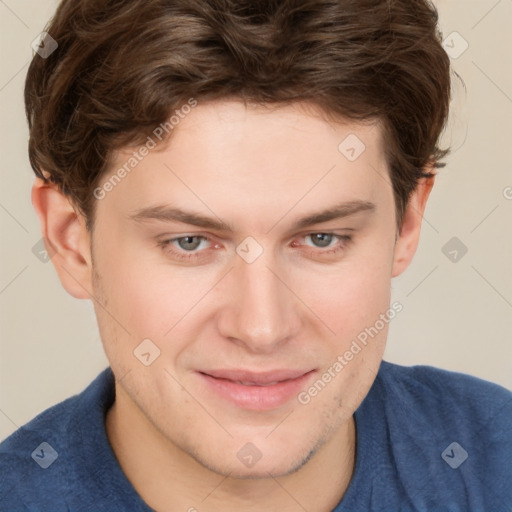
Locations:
(258, 169)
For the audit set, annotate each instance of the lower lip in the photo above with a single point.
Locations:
(257, 398)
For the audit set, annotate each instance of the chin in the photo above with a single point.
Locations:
(261, 471)
(284, 464)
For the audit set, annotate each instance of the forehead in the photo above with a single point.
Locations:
(231, 125)
(227, 157)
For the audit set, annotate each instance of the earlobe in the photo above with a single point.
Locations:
(66, 238)
(409, 237)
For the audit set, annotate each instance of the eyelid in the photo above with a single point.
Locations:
(171, 238)
(198, 256)
(327, 231)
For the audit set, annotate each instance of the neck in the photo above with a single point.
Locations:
(169, 479)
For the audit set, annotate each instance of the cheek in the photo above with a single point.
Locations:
(149, 304)
(352, 296)
(146, 295)
(150, 299)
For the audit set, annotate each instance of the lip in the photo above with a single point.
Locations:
(256, 391)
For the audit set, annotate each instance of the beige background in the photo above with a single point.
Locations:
(456, 316)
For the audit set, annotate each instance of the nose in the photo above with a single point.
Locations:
(262, 312)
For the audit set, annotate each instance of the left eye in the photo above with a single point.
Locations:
(322, 239)
(189, 243)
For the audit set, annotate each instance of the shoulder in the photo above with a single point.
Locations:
(40, 456)
(438, 403)
(433, 391)
(449, 435)
(43, 428)
(29, 457)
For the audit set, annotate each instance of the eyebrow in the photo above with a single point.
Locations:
(168, 213)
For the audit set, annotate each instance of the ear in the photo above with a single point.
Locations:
(65, 236)
(407, 242)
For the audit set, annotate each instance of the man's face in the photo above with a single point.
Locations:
(268, 296)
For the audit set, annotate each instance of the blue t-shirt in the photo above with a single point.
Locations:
(427, 440)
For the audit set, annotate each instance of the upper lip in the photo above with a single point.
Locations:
(261, 378)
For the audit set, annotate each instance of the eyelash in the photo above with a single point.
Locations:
(166, 245)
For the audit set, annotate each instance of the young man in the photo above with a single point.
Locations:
(234, 185)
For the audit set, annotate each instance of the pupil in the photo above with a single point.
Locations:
(186, 242)
(323, 238)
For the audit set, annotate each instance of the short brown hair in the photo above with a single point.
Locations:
(122, 66)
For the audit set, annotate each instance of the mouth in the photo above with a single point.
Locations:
(256, 391)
